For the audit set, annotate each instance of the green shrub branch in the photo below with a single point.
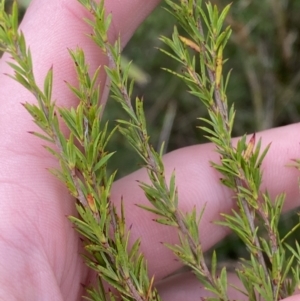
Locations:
(272, 270)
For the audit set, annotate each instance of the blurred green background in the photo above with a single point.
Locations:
(264, 57)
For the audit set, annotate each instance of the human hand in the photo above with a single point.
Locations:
(39, 249)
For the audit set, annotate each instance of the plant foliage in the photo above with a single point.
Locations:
(270, 272)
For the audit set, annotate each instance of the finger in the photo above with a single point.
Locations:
(199, 185)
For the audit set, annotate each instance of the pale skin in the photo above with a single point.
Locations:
(39, 250)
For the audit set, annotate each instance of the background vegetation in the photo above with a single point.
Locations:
(264, 55)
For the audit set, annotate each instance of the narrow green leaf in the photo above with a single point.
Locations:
(41, 136)
(14, 16)
(103, 161)
(48, 84)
